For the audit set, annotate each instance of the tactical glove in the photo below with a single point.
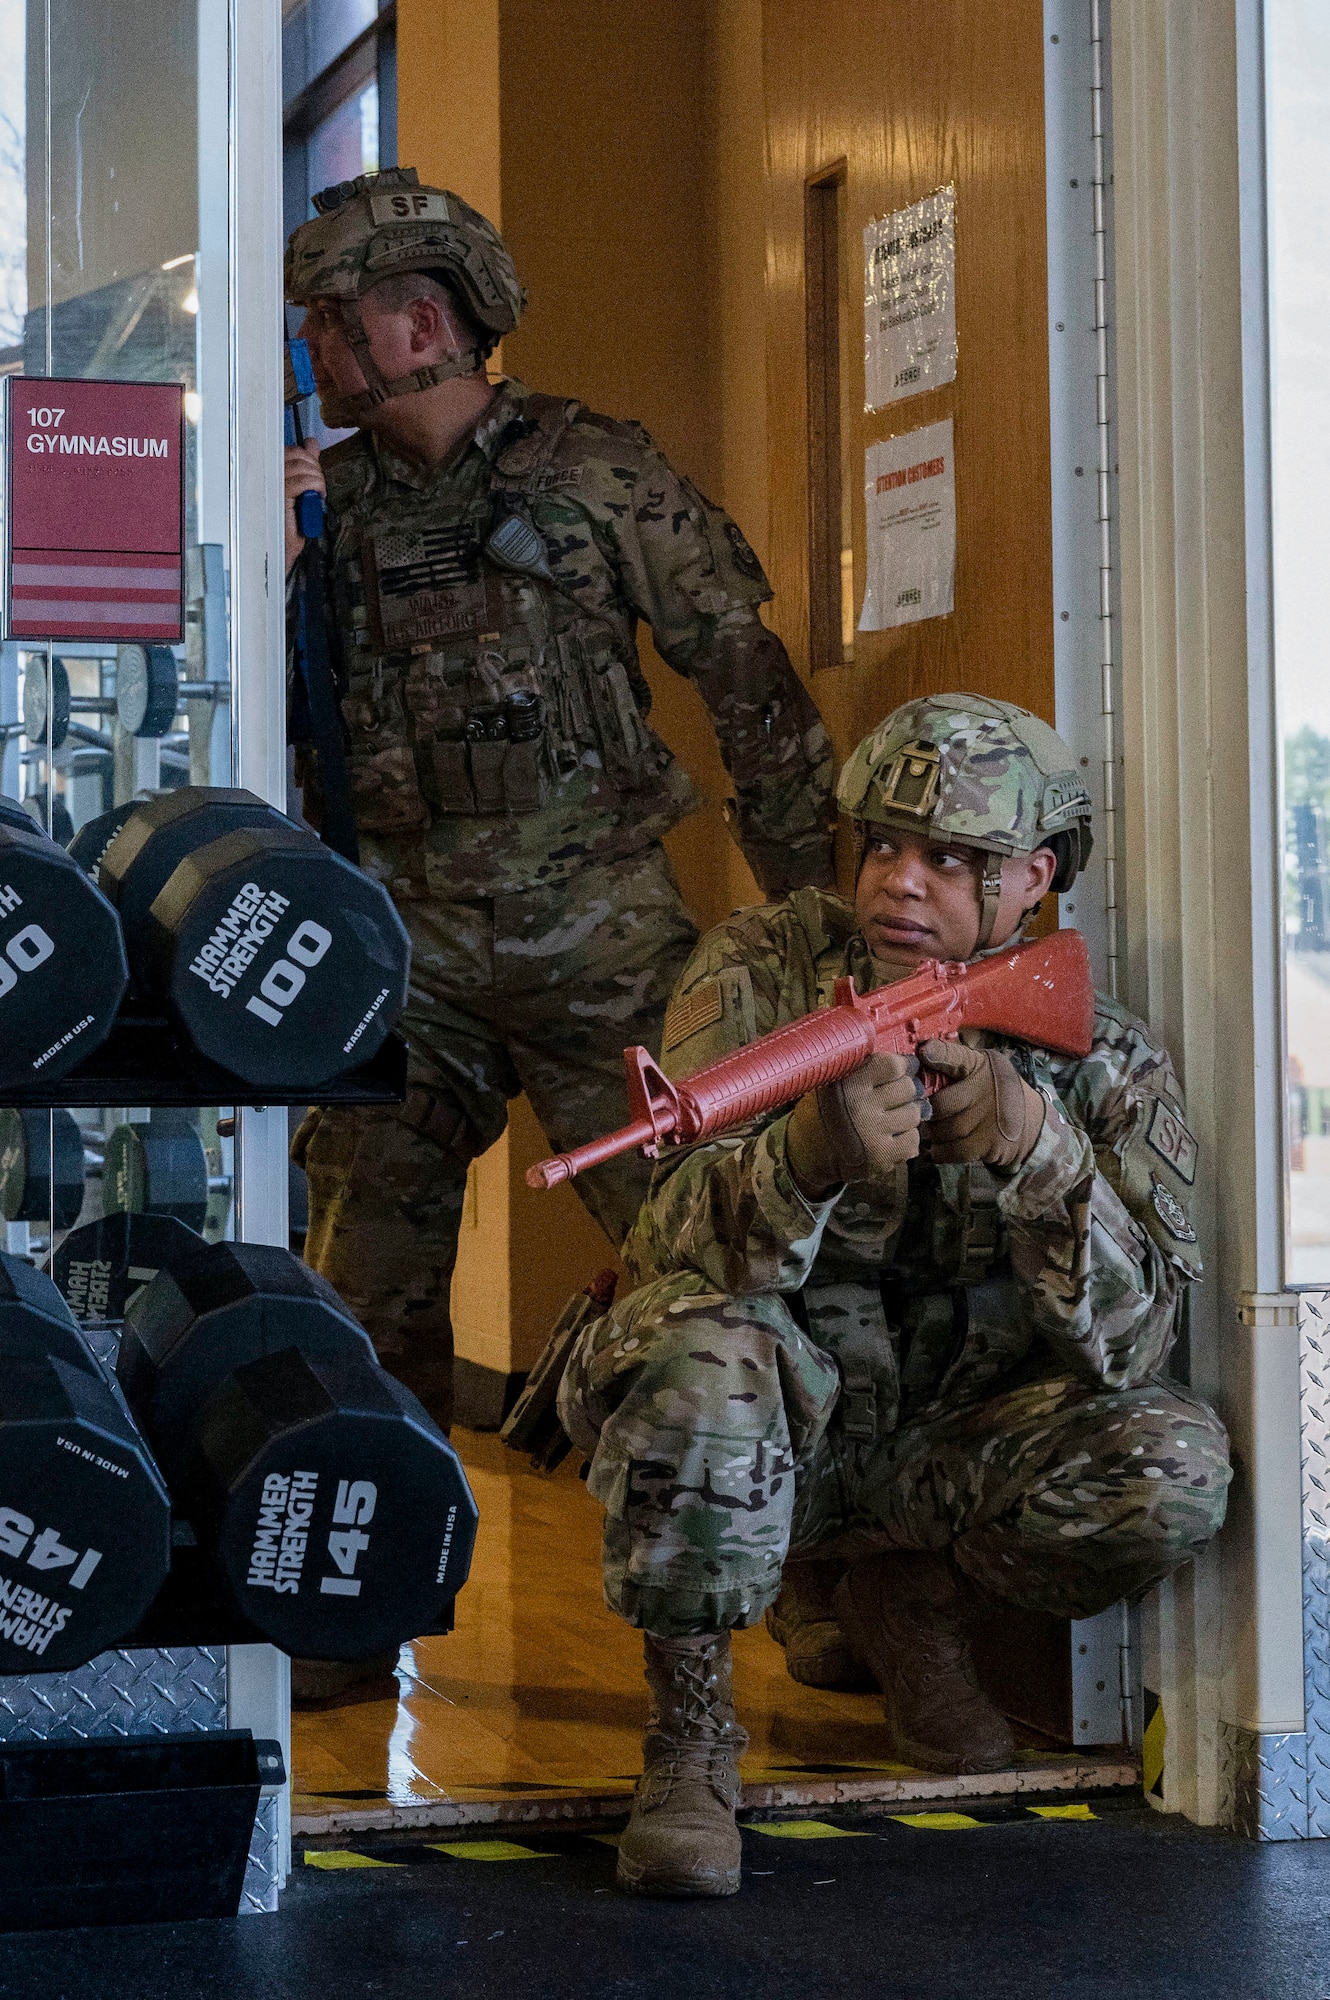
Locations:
(859, 1129)
(985, 1112)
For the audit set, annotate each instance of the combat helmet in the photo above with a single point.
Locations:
(976, 772)
(380, 225)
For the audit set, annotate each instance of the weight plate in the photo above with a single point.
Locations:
(100, 1269)
(95, 836)
(341, 1515)
(283, 962)
(62, 961)
(85, 1521)
(28, 1191)
(36, 703)
(147, 689)
(157, 1169)
(153, 841)
(214, 1308)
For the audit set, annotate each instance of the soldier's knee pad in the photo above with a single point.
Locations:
(1180, 1448)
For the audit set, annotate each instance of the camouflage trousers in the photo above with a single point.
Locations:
(537, 992)
(718, 1446)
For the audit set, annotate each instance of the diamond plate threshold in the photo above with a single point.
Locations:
(1035, 1773)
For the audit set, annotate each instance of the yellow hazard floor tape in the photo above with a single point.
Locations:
(773, 1829)
(936, 1822)
(343, 1857)
(487, 1850)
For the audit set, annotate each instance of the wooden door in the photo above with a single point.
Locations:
(870, 105)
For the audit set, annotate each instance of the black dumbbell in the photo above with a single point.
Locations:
(62, 959)
(282, 962)
(98, 1269)
(85, 1520)
(339, 1512)
(159, 1168)
(95, 836)
(41, 1181)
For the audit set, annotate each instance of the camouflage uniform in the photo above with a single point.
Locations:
(963, 1357)
(510, 792)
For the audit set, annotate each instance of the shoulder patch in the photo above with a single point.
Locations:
(1169, 1138)
(1171, 1213)
(691, 1012)
(745, 559)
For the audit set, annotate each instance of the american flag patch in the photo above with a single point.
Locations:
(410, 560)
(95, 594)
(692, 1012)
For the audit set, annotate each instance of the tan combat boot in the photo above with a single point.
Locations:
(682, 1839)
(803, 1621)
(905, 1613)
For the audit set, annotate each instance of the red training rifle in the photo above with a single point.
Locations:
(1039, 993)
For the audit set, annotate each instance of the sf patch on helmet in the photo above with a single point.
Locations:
(386, 225)
(380, 225)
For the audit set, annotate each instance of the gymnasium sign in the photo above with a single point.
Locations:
(94, 513)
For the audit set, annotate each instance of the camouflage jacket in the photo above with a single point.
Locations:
(495, 708)
(949, 1277)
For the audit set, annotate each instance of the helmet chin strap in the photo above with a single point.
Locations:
(990, 892)
(352, 407)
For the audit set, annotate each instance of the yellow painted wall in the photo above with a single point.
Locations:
(607, 194)
(448, 119)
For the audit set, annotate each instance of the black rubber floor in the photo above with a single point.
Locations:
(1128, 1906)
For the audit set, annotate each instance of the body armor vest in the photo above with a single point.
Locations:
(477, 683)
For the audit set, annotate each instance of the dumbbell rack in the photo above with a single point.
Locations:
(146, 1060)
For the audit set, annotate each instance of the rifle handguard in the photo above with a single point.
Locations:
(1039, 993)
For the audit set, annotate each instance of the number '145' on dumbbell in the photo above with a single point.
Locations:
(339, 1513)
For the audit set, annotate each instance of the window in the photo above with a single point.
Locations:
(1298, 128)
(339, 95)
(830, 546)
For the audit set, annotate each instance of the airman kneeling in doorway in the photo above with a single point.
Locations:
(882, 1367)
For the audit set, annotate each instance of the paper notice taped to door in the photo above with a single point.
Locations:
(910, 494)
(910, 300)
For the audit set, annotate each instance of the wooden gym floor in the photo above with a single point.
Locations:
(532, 1710)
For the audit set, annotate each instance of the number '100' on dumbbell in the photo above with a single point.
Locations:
(281, 961)
(63, 971)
